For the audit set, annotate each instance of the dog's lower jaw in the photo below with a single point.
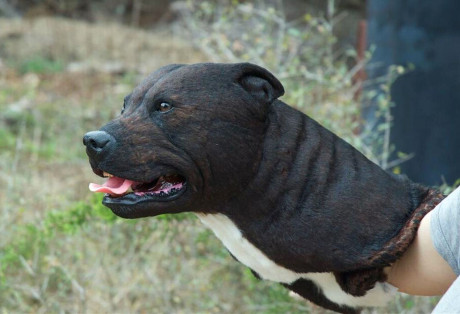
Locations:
(320, 288)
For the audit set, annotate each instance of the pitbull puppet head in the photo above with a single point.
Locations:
(189, 138)
(288, 198)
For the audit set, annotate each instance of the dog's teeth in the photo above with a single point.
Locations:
(107, 175)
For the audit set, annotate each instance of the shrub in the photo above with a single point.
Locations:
(303, 54)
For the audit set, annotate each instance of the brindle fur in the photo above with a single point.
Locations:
(303, 196)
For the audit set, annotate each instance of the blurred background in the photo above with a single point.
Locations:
(382, 76)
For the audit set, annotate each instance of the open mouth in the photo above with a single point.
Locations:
(120, 190)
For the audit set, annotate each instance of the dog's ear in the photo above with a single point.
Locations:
(259, 82)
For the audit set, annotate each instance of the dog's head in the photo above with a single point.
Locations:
(189, 137)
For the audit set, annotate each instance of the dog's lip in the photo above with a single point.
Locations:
(133, 199)
(129, 192)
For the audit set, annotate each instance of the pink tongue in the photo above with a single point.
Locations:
(113, 186)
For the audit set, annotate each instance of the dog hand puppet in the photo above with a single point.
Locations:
(288, 198)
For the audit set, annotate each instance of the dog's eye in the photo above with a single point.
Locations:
(164, 107)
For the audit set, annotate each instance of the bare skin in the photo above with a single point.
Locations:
(421, 270)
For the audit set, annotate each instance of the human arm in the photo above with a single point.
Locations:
(421, 270)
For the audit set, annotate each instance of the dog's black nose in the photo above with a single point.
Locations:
(98, 143)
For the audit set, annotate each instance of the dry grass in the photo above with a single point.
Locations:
(148, 265)
(94, 46)
(158, 265)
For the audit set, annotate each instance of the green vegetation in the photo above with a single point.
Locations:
(41, 65)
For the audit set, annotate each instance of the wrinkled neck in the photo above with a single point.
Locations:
(281, 162)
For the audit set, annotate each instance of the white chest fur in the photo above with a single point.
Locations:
(255, 259)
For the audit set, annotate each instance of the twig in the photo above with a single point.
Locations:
(399, 161)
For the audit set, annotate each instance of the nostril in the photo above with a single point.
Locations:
(98, 144)
(96, 140)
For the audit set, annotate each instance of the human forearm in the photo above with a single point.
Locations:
(421, 270)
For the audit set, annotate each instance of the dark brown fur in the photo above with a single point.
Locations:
(304, 197)
(359, 282)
